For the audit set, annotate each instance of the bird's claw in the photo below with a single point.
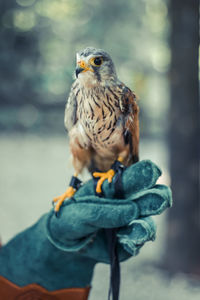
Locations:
(58, 201)
(103, 176)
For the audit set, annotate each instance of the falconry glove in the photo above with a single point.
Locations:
(59, 253)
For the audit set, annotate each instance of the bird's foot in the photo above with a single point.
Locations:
(116, 168)
(103, 176)
(60, 199)
(75, 183)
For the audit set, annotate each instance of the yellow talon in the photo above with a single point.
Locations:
(60, 199)
(103, 176)
(120, 159)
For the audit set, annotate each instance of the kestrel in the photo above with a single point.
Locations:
(101, 117)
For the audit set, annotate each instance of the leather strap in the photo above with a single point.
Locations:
(111, 235)
(10, 291)
(75, 182)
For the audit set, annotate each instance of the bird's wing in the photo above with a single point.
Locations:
(70, 109)
(130, 110)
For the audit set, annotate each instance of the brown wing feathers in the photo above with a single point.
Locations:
(131, 126)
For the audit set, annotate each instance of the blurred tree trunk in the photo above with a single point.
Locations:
(183, 236)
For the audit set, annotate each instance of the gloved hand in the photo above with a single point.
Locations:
(61, 252)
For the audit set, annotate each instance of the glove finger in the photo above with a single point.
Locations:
(80, 218)
(137, 177)
(140, 176)
(136, 234)
(153, 201)
(105, 213)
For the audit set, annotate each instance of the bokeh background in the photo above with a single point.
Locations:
(154, 45)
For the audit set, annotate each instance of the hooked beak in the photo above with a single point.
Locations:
(82, 67)
(78, 71)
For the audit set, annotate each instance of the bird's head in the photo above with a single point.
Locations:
(94, 67)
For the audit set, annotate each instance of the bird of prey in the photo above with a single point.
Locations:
(101, 117)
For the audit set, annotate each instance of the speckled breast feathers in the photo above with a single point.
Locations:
(101, 117)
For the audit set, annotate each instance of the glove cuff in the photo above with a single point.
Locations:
(34, 291)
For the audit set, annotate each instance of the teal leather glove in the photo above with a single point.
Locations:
(61, 252)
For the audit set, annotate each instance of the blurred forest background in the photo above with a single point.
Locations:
(155, 47)
(39, 40)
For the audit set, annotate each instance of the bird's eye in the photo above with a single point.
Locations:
(97, 61)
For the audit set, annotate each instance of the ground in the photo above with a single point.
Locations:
(34, 169)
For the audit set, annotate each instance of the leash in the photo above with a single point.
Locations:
(114, 285)
(111, 236)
